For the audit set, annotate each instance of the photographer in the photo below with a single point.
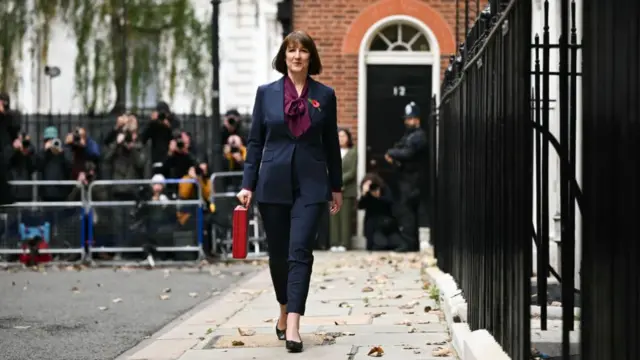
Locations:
(189, 191)
(179, 159)
(160, 131)
(112, 135)
(380, 226)
(232, 125)
(83, 149)
(125, 158)
(9, 128)
(53, 164)
(22, 165)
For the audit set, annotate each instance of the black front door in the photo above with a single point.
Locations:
(389, 89)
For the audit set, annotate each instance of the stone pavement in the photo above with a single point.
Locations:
(358, 301)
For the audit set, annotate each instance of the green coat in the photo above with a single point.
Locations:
(349, 174)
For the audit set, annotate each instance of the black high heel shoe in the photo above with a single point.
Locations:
(281, 334)
(294, 346)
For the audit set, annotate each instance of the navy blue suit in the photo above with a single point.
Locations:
(292, 179)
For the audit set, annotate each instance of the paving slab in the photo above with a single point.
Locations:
(258, 341)
(402, 352)
(393, 339)
(164, 349)
(384, 329)
(333, 352)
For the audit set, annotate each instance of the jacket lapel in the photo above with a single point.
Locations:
(311, 96)
(279, 105)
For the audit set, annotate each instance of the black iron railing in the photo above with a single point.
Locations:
(567, 51)
(482, 232)
(611, 181)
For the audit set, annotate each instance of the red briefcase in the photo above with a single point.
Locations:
(240, 227)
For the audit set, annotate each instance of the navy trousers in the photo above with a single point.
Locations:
(291, 231)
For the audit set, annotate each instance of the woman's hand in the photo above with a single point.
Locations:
(244, 196)
(336, 202)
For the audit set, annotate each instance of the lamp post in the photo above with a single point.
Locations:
(215, 148)
(51, 72)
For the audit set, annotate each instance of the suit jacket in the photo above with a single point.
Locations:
(349, 172)
(271, 164)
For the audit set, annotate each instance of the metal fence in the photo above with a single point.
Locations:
(132, 226)
(564, 148)
(91, 224)
(59, 223)
(611, 178)
(482, 232)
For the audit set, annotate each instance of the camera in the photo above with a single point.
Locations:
(162, 116)
(232, 121)
(25, 142)
(234, 149)
(374, 186)
(177, 136)
(76, 137)
(56, 144)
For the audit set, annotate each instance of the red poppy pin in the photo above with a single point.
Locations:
(315, 104)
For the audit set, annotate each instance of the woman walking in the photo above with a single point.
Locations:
(293, 166)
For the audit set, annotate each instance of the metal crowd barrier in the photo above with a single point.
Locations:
(222, 238)
(155, 223)
(59, 223)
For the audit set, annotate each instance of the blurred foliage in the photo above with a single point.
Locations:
(124, 46)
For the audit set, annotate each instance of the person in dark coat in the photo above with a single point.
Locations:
(408, 156)
(9, 129)
(380, 226)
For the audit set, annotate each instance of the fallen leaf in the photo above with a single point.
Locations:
(117, 300)
(427, 308)
(404, 322)
(399, 296)
(413, 330)
(268, 320)
(209, 331)
(409, 312)
(193, 294)
(376, 351)
(103, 308)
(377, 314)
(74, 289)
(166, 290)
(340, 322)
(13, 283)
(164, 297)
(237, 343)
(348, 333)
(99, 285)
(433, 343)
(442, 352)
(344, 305)
(410, 305)
(247, 332)
(367, 289)
(24, 327)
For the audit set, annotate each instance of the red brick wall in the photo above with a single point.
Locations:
(338, 27)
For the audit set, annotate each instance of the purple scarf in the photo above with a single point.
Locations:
(296, 114)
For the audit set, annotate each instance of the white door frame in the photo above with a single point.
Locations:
(366, 57)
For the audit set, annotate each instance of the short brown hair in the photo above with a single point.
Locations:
(303, 39)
